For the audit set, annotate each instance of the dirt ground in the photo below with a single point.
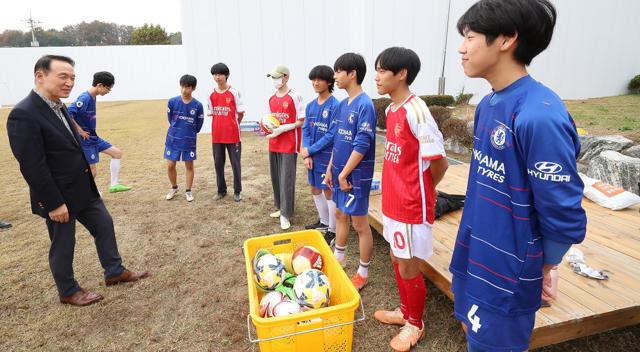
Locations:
(196, 299)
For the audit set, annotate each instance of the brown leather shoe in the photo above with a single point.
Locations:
(81, 298)
(126, 276)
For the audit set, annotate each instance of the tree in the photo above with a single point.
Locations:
(175, 38)
(149, 35)
(14, 38)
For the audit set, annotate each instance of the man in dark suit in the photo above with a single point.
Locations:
(61, 187)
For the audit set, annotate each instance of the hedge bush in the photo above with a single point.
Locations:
(634, 85)
(439, 113)
(439, 100)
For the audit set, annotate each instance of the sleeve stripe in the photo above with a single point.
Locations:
(433, 157)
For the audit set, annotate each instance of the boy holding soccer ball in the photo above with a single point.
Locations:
(284, 144)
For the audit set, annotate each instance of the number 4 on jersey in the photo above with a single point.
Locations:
(473, 318)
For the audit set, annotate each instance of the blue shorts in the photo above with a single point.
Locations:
(316, 179)
(488, 330)
(93, 147)
(177, 155)
(348, 203)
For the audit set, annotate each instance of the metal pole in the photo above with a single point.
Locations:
(442, 79)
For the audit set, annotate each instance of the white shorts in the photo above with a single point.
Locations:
(408, 240)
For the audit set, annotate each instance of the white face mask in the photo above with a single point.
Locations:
(277, 83)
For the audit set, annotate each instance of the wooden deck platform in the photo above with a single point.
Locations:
(584, 306)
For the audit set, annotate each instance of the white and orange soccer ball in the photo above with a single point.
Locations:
(268, 301)
(268, 123)
(286, 307)
(305, 258)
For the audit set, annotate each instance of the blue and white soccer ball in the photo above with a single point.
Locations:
(312, 289)
(269, 271)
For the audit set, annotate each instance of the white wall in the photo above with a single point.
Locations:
(141, 72)
(589, 56)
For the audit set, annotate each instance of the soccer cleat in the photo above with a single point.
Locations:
(359, 281)
(317, 226)
(275, 214)
(172, 193)
(391, 317)
(237, 197)
(330, 237)
(118, 188)
(408, 337)
(284, 223)
(189, 196)
(219, 196)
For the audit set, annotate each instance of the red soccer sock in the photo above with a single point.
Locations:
(402, 291)
(416, 292)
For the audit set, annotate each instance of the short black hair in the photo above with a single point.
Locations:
(532, 20)
(220, 69)
(44, 63)
(395, 59)
(103, 77)
(352, 62)
(188, 81)
(324, 73)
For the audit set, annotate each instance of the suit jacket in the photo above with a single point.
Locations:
(51, 159)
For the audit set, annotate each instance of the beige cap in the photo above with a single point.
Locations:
(279, 71)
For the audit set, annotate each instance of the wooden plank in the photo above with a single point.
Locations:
(569, 330)
(584, 306)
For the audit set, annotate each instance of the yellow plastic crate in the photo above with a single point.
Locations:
(324, 329)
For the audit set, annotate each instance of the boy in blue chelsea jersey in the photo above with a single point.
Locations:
(186, 115)
(523, 202)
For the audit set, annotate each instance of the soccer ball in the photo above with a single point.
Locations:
(286, 307)
(269, 272)
(268, 301)
(268, 123)
(312, 289)
(305, 258)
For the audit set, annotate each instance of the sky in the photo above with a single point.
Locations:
(57, 14)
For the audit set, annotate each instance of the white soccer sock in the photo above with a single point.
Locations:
(363, 269)
(115, 171)
(332, 215)
(339, 252)
(323, 210)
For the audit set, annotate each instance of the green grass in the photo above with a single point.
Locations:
(607, 115)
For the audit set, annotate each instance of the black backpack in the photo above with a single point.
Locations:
(446, 203)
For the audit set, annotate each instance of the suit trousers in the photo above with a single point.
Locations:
(97, 220)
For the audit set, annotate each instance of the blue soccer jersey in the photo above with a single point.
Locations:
(316, 125)
(354, 129)
(523, 196)
(83, 111)
(185, 121)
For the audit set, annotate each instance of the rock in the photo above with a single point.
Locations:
(633, 152)
(453, 145)
(582, 168)
(592, 146)
(616, 169)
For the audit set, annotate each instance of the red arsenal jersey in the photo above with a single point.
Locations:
(413, 139)
(287, 109)
(225, 107)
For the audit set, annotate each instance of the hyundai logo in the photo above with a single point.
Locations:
(548, 167)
